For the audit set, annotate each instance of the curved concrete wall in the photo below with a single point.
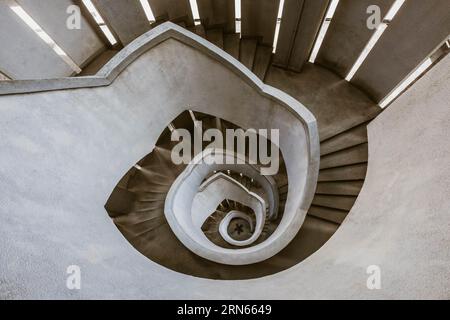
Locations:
(63, 151)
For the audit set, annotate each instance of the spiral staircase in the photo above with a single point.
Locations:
(102, 138)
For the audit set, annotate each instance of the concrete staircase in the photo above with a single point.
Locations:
(136, 206)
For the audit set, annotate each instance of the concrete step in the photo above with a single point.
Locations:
(283, 189)
(139, 217)
(262, 61)
(199, 30)
(353, 155)
(335, 202)
(231, 44)
(351, 172)
(329, 214)
(137, 229)
(215, 36)
(346, 139)
(147, 206)
(150, 196)
(347, 188)
(248, 52)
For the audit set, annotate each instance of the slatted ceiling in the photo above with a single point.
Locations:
(259, 18)
(126, 17)
(417, 29)
(174, 9)
(23, 55)
(80, 44)
(289, 24)
(312, 14)
(217, 13)
(348, 34)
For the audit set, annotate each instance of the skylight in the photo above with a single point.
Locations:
(195, 13)
(237, 14)
(148, 11)
(375, 37)
(99, 20)
(323, 30)
(405, 83)
(29, 21)
(277, 27)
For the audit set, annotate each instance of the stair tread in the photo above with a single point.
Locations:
(349, 188)
(231, 44)
(247, 52)
(262, 61)
(351, 172)
(333, 201)
(349, 138)
(329, 214)
(353, 155)
(199, 30)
